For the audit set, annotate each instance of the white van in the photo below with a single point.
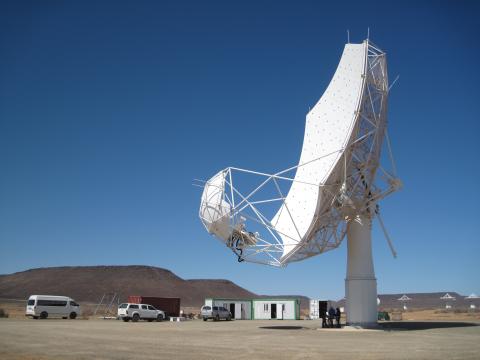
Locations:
(43, 306)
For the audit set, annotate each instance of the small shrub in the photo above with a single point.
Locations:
(86, 313)
(3, 313)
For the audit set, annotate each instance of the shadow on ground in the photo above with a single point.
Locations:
(424, 325)
(282, 327)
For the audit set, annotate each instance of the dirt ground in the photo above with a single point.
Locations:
(287, 339)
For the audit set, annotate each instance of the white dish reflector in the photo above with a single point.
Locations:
(214, 210)
(336, 173)
(328, 130)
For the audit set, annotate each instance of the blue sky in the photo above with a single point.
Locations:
(109, 110)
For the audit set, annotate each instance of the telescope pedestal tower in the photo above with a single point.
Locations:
(360, 284)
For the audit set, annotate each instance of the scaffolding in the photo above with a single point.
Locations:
(107, 306)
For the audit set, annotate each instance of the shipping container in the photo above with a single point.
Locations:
(318, 309)
(171, 306)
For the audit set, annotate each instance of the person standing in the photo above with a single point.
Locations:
(323, 315)
(338, 315)
(331, 316)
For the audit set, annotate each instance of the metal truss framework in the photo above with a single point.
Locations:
(356, 190)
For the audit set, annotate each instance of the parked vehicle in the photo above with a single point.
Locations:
(171, 306)
(43, 306)
(215, 312)
(135, 312)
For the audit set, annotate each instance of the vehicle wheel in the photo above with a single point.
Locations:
(217, 318)
(205, 319)
(43, 315)
(229, 317)
(135, 317)
(160, 317)
(73, 315)
(35, 317)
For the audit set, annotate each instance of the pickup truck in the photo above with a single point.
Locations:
(135, 312)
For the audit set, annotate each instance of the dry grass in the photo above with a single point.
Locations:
(14, 308)
(441, 315)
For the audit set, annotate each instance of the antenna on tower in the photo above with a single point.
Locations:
(331, 194)
(368, 33)
(348, 36)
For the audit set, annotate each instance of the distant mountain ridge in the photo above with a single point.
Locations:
(89, 283)
(425, 300)
(422, 301)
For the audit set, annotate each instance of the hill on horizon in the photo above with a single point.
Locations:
(89, 283)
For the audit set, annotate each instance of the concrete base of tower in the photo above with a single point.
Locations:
(361, 304)
(360, 284)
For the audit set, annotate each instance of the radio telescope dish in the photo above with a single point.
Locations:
(471, 298)
(449, 297)
(448, 300)
(404, 298)
(309, 208)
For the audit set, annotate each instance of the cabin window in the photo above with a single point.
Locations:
(51, 303)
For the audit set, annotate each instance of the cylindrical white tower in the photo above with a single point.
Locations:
(360, 284)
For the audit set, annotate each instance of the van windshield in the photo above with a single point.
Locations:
(31, 302)
(123, 306)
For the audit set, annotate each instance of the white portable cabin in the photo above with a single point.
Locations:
(241, 309)
(314, 310)
(280, 309)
